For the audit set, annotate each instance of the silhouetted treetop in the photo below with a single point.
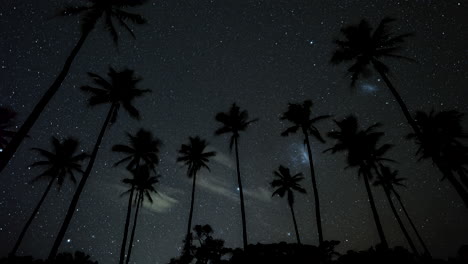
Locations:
(194, 156)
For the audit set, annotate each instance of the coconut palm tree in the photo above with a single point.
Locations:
(363, 153)
(365, 48)
(91, 13)
(299, 116)
(287, 184)
(235, 121)
(120, 91)
(60, 163)
(384, 179)
(193, 155)
(440, 141)
(143, 147)
(143, 183)
(7, 119)
(389, 178)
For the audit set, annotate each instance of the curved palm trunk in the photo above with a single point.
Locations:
(81, 185)
(400, 101)
(456, 184)
(127, 223)
(314, 186)
(402, 227)
(31, 218)
(187, 240)
(295, 223)
(426, 251)
(383, 240)
(241, 194)
(13, 145)
(132, 237)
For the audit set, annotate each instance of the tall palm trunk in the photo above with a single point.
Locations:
(132, 236)
(314, 186)
(295, 223)
(426, 251)
(383, 240)
(399, 100)
(11, 148)
(81, 185)
(189, 226)
(402, 227)
(456, 184)
(241, 194)
(31, 218)
(127, 223)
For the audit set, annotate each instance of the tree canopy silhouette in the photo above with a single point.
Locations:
(90, 14)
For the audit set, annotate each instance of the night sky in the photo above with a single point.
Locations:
(198, 57)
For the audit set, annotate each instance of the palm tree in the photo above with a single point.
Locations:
(120, 91)
(363, 153)
(439, 141)
(143, 183)
(194, 156)
(384, 179)
(299, 115)
(287, 183)
(143, 147)
(365, 47)
(234, 122)
(90, 14)
(7, 119)
(59, 164)
(389, 178)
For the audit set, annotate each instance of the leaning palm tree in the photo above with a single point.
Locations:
(384, 179)
(91, 13)
(389, 178)
(299, 116)
(235, 121)
(287, 183)
(7, 119)
(120, 91)
(143, 183)
(440, 141)
(193, 155)
(60, 163)
(365, 48)
(363, 153)
(143, 148)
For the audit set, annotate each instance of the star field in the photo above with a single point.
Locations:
(198, 57)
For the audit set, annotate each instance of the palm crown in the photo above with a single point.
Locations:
(142, 181)
(194, 155)
(299, 115)
(233, 122)
(121, 90)
(365, 46)
(287, 183)
(143, 147)
(389, 178)
(110, 10)
(62, 161)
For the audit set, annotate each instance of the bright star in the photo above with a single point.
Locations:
(68, 240)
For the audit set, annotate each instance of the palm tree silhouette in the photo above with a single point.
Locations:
(365, 47)
(287, 183)
(363, 153)
(143, 183)
(143, 147)
(7, 119)
(388, 179)
(90, 15)
(439, 141)
(235, 121)
(299, 115)
(384, 179)
(194, 156)
(59, 164)
(120, 91)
